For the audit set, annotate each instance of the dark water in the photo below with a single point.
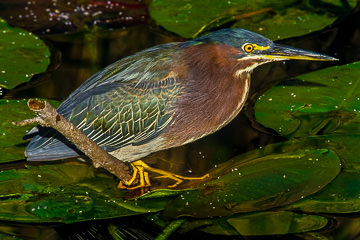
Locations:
(76, 55)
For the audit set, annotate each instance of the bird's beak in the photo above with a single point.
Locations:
(279, 52)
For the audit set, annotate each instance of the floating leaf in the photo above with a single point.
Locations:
(22, 55)
(259, 180)
(12, 145)
(322, 102)
(340, 196)
(263, 179)
(67, 192)
(273, 19)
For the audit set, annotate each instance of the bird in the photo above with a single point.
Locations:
(163, 97)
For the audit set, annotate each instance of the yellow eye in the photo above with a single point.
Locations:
(248, 48)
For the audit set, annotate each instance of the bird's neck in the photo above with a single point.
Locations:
(214, 91)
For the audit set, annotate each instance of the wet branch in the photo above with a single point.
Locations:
(49, 117)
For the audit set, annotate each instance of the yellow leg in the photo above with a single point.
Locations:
(129, 182)
(143, 178)
(165, 174)
(144, 181)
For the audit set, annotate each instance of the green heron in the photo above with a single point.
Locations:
(163, 97)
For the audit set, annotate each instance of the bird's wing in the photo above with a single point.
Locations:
(126, 114)
(147, 66)
(130, 102)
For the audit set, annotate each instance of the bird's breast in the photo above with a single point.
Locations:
(207, 105)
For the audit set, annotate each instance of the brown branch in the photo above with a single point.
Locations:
(49, 117)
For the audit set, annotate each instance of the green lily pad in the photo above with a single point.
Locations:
(72, 192)
(267, 223)
(67, 192)
(340, 196)
(22, 55)
(347, 147)
(274, 176)
(322, 102)
(12, 145)
(290, 22)
(274, 19)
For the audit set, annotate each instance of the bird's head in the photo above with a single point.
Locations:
(254, 49)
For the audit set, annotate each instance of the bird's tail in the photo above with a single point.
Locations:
(47, 144)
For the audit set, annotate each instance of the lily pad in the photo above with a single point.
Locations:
(267, 223)
(22, 55)
(340, 196)
(262, 179)
(347, 147)
(67, 192)
(322, 102)
(11, 144)
(259, 180)
(274, 19)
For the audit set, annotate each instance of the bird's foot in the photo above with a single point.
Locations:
(144, 180)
